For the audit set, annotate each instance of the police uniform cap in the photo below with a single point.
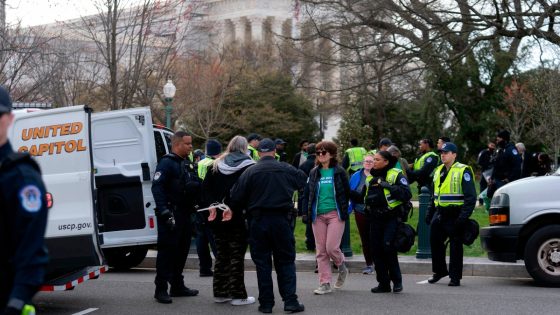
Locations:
(5, 101)
(449, 147)
(266, 145)
(279, 141)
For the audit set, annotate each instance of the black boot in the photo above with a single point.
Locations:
(162, 297)
(183, 291)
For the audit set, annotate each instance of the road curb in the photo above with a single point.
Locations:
(472, 266)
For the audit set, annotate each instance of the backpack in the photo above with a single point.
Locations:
(404, 238)
(470, 232)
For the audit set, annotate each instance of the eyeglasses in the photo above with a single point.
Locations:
(322, 152)
(368, 161)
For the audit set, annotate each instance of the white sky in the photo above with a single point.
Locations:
(34, 12)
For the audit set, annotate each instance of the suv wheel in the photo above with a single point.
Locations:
(542, 255)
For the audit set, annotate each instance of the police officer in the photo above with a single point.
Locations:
(175, 188)
(424, 166)
(253, 140)
(266, 190)
(507, 163)
(353, 158)
(23, 219)
(383, 145)
(204, 235)
(453, 202)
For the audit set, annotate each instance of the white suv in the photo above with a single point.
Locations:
(525, 224)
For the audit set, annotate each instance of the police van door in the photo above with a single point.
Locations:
(124, 159)
(59, 140)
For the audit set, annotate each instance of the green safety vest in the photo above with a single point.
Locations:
(356, 156)
(277, 156)
(203, 166)
(391, 178)
(419, 163)
(254, 154)
(450, 193)
(372, 152)
(28, 310)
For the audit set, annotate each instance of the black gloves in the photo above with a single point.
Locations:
(167, 217)
(384, 184)
(304, 219)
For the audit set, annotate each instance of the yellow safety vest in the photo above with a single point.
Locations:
(28, 310)
(356, 157)
(450, 193)
(372, 152)
(419, 163)
(254, 154)
(203, 166)
(391, 178)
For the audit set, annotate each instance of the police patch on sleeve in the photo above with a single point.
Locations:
(514, 151)
(30, 197)
(157, 175)
(467, 177)
(429, 160)
(404, 181)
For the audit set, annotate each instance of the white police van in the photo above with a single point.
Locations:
(97, 169)
(525, 224)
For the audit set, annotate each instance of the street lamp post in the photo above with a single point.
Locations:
(169, 92)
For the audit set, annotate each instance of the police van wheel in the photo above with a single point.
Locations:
(124, 258)
(542, 255)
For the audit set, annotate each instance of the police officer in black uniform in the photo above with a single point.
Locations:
(23, 219)
(266, 191)
(507, 163)
(422, 169)
(453, 202)
(176, 188)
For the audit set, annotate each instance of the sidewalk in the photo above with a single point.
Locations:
(472, 266)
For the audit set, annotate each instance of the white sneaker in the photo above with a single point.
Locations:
(323, 289)
(342, 273)
(222, 299)
(247, 301)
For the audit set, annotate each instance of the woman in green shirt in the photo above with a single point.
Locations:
(326, 203)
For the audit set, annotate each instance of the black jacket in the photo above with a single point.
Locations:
(456, 212)
(341, 187)
(176, 184)
(376, 203)
(267, 186)
(309, 164)
(216, 187)
(423, 176)
(507, 164)
(23, 220)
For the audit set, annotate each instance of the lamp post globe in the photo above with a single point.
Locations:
(169, 90)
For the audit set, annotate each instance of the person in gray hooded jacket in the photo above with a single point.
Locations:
(229, 227)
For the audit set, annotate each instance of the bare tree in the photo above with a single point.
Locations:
(137, 45)
(461, 55)
(546, 117)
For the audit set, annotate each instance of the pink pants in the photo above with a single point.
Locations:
(328, 230)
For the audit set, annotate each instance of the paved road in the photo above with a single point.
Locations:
(131, 293)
